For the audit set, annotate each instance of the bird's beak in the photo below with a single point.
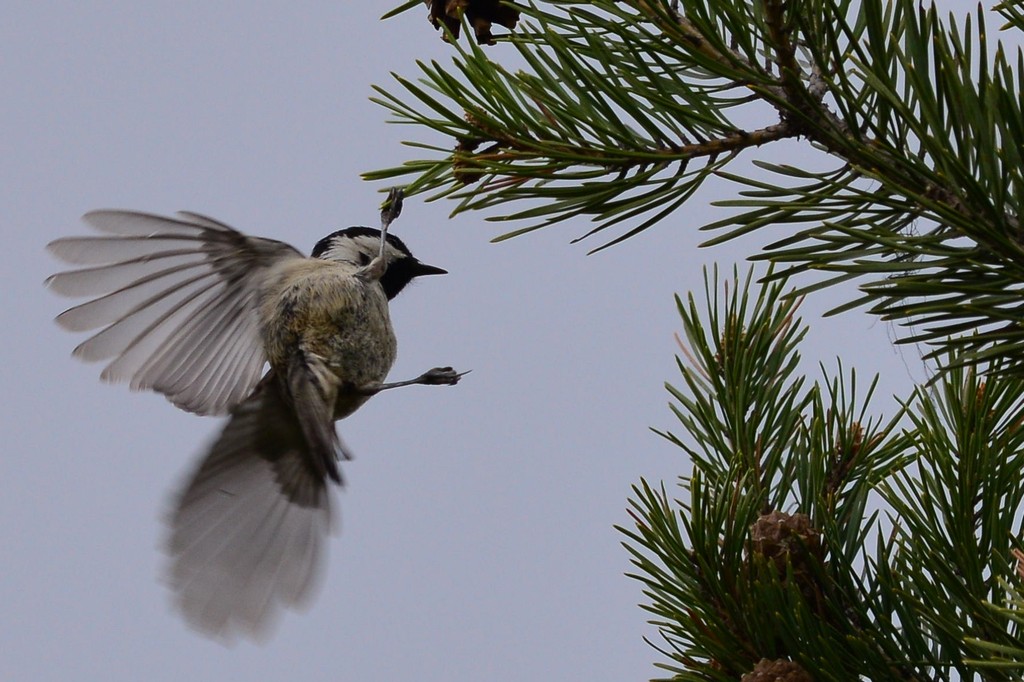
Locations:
(419, 269)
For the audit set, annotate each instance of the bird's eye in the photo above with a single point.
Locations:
(364, 259)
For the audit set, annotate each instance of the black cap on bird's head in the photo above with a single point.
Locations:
(360, 245)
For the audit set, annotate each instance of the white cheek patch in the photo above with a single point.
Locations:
(360, 250)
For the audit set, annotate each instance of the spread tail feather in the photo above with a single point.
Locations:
(248, 530)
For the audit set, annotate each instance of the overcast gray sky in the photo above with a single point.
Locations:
(477, 538)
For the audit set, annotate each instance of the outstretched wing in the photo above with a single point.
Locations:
(176, 299)
(248, 531)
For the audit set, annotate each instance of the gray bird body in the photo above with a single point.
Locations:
(195, 310)
(329, 313)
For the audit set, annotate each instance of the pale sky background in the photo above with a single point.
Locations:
(477, 538)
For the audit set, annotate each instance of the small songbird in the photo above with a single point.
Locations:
(195, 310)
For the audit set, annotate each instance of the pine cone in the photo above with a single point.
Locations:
(482, 14)
(779, 670)
(790, 540)
(787, 539)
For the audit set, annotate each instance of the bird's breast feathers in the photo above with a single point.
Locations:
(319, 307)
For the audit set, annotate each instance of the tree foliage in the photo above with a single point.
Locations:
(620, 110)
(812, 539)
(775, 553)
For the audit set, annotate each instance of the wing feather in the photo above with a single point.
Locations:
(175, 302)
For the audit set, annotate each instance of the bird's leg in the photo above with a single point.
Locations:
(390, 210)
(439, 376)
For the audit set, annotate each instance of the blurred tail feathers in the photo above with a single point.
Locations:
(248, 531)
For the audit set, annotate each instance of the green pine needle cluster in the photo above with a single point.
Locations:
(811, 539)
(619, 111)
(901, 566)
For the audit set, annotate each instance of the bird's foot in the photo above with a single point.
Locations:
(441, 376)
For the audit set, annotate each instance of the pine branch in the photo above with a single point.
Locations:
(624, 109)
(773, 552)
